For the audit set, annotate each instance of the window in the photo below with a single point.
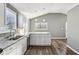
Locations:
(43, 25)
(10, 18)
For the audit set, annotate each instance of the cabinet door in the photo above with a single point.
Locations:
(33, 39)
(42, 39)
(19, 47)
(38, 39)
(10, 50)
(13, 52)
(2, 14)
(24, 45)
(47, 39)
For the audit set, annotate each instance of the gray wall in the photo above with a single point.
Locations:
(56, 23)
(73, 28)
(1, 14)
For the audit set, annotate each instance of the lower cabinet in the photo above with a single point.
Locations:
(40, 39)
(18, 48)
(10, 50)
(33, 39)
(24, 45)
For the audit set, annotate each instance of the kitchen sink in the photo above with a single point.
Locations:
(15, 38)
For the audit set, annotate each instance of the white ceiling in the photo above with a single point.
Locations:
(36, 9)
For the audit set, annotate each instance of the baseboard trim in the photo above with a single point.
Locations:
(40, 45)
(73, 49)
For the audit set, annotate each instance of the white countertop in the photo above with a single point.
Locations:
(58, 37)
(39, 32)
(6, 43)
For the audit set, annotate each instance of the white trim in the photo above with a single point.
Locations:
(58, 37)
(73, 49)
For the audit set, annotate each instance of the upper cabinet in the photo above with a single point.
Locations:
(2, 9)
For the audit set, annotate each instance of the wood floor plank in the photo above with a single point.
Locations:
(34, 50)
(58, 47)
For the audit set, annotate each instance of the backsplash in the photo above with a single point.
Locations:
(3, 29)
(4, 34)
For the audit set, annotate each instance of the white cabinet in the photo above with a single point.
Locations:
(33, 38)
(10, 50)
(24, 45)
(18, 48)
(40, 39)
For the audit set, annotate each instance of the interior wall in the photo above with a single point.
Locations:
(2, 14)
(27, 26)
(73, 28)
(56, 24)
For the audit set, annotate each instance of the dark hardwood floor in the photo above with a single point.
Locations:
(58, 47)
(39, 50)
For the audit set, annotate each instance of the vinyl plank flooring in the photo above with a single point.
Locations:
(58, 47)
(39, 50)
(70, 52)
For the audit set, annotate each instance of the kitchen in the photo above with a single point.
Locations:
(34, 31)
(10, 31)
